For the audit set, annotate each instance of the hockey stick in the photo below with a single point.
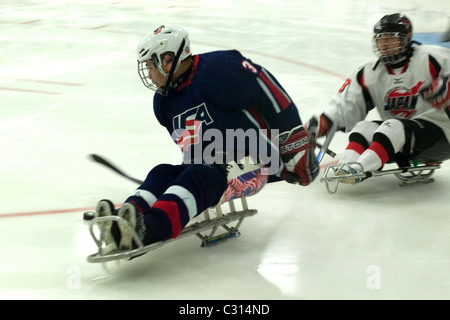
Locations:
(329, 152)
(324, 148)
(99, 159)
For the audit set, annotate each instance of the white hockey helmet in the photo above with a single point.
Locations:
(165, 39)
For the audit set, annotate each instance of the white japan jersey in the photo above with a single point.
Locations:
(394, 92)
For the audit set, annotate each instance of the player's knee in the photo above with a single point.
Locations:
(363, 132)
(394, 131)
(206, 182)
(163, 168)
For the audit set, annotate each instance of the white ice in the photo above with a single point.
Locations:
(69, 87)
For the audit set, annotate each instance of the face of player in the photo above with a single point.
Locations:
(155, 75)
(389, 43)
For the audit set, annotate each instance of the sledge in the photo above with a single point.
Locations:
(417, 169)
(408, 175)
(214, 227)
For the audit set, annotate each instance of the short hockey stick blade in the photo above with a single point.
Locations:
(99, 159)
(324, 146)
(329, 152)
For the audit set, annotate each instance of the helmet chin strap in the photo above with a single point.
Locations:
(164, 90)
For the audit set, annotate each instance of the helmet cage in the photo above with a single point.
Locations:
(393, 26)
(395, 54)
(163, 41)
(144, 72)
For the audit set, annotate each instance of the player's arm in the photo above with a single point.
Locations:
(250, 85)
(348, 106)
(437, 93)
(296, 147)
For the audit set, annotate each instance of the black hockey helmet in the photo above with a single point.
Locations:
(397, 26)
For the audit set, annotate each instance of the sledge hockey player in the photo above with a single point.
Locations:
(196, 95)
(409, 85)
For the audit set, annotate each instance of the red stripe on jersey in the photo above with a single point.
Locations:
(282, 101)
(259, 118)
(188, 81)
(190, 135)
(362, 82)
(355, 147)
(380, 151)
(433, 71)
(170, 208)
(191, 123)
(405, 67)
(390, 70)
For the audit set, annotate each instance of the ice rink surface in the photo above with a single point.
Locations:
(69, 87)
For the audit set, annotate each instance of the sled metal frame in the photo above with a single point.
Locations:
(214, 218)
(407, 175)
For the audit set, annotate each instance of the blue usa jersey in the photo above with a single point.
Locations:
(231, 96)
